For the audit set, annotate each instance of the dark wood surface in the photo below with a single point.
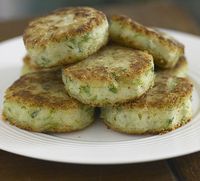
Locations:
(14, 167)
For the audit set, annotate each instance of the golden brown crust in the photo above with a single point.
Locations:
(167, 92)
(154, 132)
(64, 128)
(96, 68)
(179, 69)
(43, 88)
(27, 60)
(164, 48)
(84, 20)
(148, 31)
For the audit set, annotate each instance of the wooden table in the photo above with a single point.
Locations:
(14, 167)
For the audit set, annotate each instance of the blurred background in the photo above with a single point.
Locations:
(183, 15)
(15, 9)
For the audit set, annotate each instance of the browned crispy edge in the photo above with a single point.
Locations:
(78, 12)
(153, 132)
(26, 98)
(181, 92)
(78, 71)
(156, 35)
(142, 29)
(64, 129)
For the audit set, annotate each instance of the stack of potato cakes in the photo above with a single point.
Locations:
(77, 61)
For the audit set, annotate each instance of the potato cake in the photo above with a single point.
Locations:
(38, 102)
(163, 108)
(66, 36)
(165, 49)
(114, 74)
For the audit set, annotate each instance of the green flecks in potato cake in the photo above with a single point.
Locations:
(66, 36)
(163, 108)
(38, 102)
(164, 48)
(113, 75)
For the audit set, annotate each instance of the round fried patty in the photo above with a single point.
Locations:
(165, 49)
(165, 107)
(115, 74)
(66, 36)
(38, 102)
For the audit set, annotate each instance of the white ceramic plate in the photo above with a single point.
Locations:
(97, 144)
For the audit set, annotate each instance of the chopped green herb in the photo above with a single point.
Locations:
(88, 109)
(169, 121)
(50, 125)
(112, 88)
(70, 79)
(94, 98)
(136, 35)
(85, 89)
(52, 111)
(34, 113)
(44, 61)
(73, 41)
(123, 69)
(114, 75)
(86, 37)
(119, 108)
(71, 47)
(140, 116)
(137, 82)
